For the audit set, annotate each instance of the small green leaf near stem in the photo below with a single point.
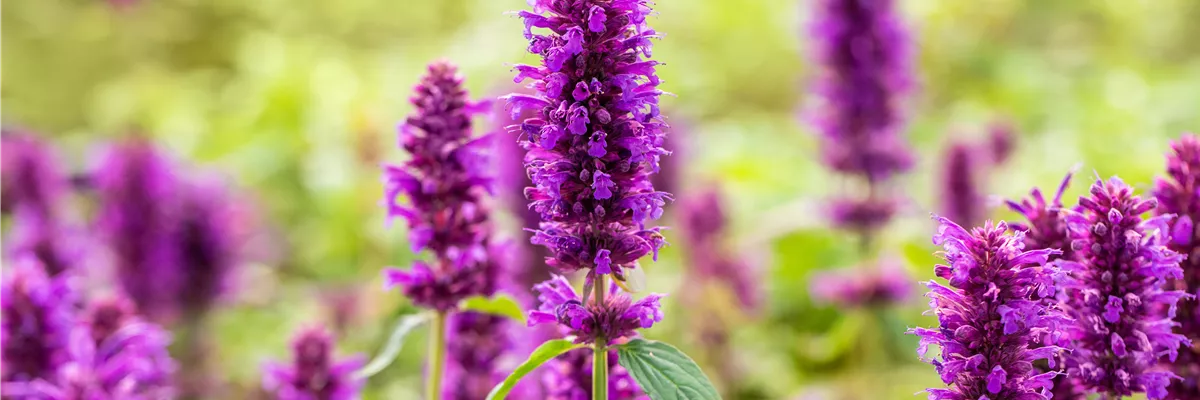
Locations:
(545, 352)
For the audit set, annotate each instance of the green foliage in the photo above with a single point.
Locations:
(664, 372)
(394, 343)
(498, 304)
(545, 352)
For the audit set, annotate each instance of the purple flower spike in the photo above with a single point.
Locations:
(863, 215)
(313, 373)
(1001, 142)
(962, 200)
(208, 247)
(619, 317)
(1177, 194)
(864, 51)
(1115, 292)
(136, 185)
(884, 285)
(991, 315)
(36, 318)
(597, 135)
(476, 344)
(30, 174)
(1044, 226)
(445, 184)
(58, 248)
(569, 377)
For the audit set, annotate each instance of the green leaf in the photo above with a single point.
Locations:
(664, 372)
(394, 343)
(500, 304)
(543, 353)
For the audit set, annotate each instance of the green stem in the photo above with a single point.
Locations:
(437, 356)
(599, 352)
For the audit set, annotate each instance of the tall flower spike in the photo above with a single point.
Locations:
(113, 356)
(1116, 293)
(618, 318)
(444, 183)
(36, 321)
(136, 185)
(313, 372)
(1177, 194)
(961, 199)
(31, 175)
(598, 134)
(569, 377)
(864, 52)
(989, 315)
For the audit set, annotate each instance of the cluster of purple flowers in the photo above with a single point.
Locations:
(587, 321)
(870, 287)
(597, 136)
(569, 377)
(1177, 194)
(53, 350)
(444, 183)
(991, 315)
(314, 373)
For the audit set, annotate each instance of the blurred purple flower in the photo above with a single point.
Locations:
(597, 136)
(58, 248)
(703, 223)
(990, 315)
(527, 266)
(864, 216)
(863, 49)
(476, 345)
(619, 317)
(30, 175)
(961, 197)
(36, 317)
(1115, 292)
(137, 186)
(569, 377)
(113, 356)
(445, 185)
(207, 243)
(313, 373)
(1177, 194)
(882, 285)
(1001, 142)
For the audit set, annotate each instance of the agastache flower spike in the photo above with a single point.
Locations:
(597, 136)
(1177, 194)
(703, 222)
(1116, 293)
(313, 372)
(444, 183)
(990, 314)
(618, 318)
(31, 176)
(864, 51)
(136, 184)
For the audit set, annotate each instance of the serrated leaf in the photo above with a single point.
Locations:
(394, 343)
(500, 304)
(545, 352)
(664, 372)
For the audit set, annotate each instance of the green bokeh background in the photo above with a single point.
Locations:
(297, 101)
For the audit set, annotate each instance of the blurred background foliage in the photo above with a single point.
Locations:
(298, 101)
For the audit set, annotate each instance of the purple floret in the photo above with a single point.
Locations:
(1116, 292)
(36, 321)
(991, 315)
(597, 136)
